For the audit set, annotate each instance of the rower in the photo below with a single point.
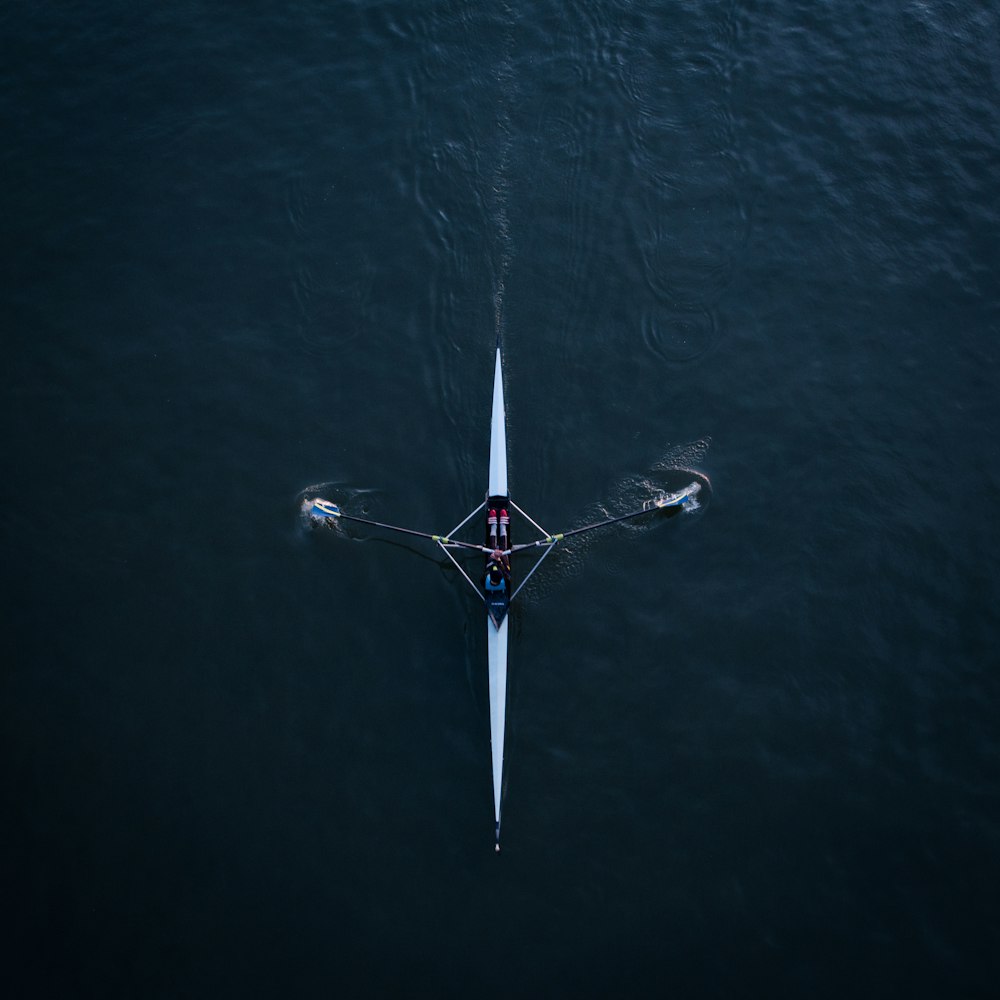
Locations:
(497, 572)
(504, 522)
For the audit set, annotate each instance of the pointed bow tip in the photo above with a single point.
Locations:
(496, 849)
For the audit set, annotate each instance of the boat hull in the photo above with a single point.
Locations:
(497, 604)
(497, 645)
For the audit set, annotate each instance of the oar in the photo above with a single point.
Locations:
(321, 508)
(678, 499)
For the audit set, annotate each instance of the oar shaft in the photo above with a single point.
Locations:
(441, 539)
(672, 500)
(388, 527)
(610, 520)
(552, 539)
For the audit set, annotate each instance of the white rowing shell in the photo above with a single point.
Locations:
(497, 637)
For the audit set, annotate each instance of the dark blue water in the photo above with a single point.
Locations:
(250, 251)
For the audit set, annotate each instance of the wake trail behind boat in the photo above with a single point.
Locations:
(501, 223)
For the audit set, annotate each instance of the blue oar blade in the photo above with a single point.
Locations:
(322, 510)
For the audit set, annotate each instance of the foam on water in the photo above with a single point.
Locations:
(669, 474)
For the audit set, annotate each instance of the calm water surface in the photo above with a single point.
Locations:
(750, 752)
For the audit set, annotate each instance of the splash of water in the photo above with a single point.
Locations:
(671, 472)
(351, 498)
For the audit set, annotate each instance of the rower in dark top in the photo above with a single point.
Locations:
(497, 572)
